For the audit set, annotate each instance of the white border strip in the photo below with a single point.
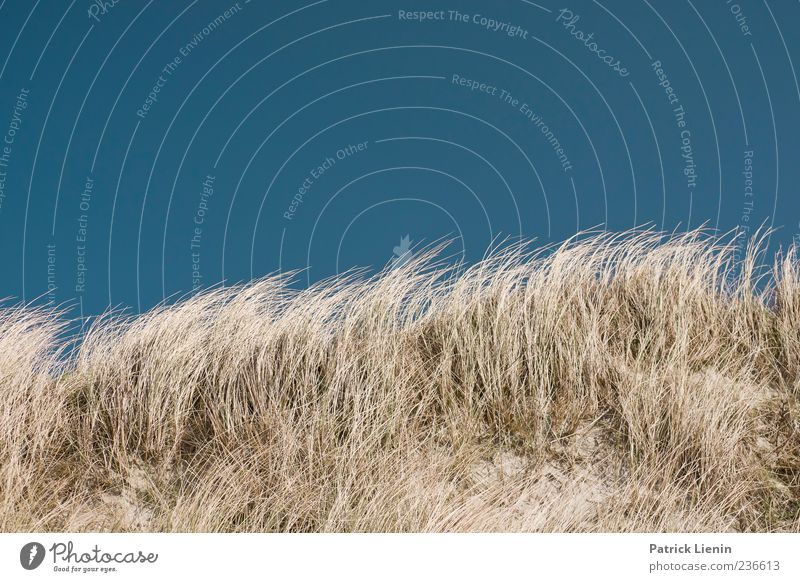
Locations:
(372, 557)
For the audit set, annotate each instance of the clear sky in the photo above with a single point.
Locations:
(151, 147)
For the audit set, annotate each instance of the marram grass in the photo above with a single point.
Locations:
(630, 382)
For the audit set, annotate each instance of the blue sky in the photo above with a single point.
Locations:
(154, 148)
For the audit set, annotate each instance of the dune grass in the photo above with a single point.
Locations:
(619, 382)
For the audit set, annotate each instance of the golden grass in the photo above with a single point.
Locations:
(630, 382)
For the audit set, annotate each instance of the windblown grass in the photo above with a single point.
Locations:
(630, 382)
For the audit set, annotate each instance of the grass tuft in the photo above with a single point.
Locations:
(617, 382)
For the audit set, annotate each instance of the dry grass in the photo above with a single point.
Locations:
(627, 382)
